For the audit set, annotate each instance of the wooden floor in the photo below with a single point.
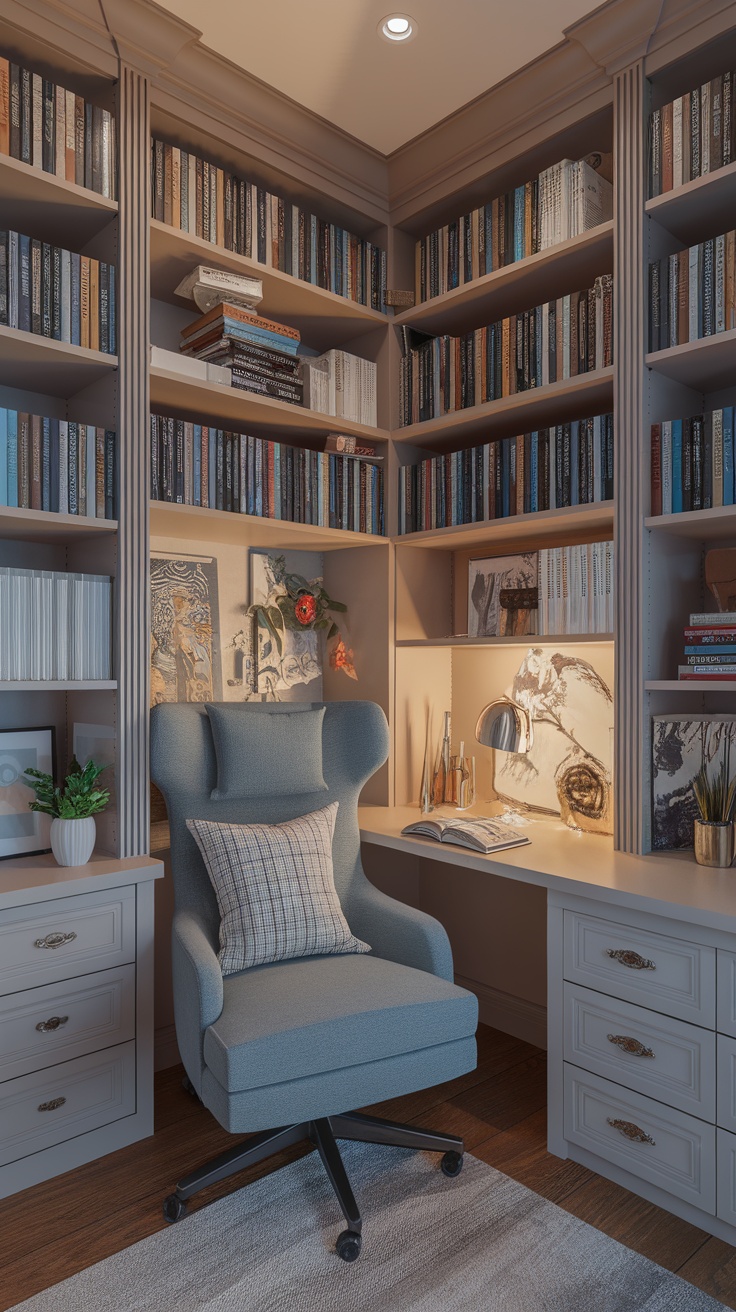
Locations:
(53, 1230)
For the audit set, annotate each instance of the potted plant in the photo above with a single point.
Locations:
(72, 807)
(715, 796)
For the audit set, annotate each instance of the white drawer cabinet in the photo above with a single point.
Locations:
(66, 937)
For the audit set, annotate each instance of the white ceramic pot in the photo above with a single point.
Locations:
(72, 841)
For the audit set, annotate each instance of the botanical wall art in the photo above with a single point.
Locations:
(681, 746)
(185, 658)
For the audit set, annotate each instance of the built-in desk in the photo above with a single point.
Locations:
(641, 1008)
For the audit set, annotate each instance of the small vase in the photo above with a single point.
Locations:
(72, 841)
(713, 842)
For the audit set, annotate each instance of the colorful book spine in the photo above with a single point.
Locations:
(693, 462)
(75, 306)
(692, 293)
(42, 458)
(692, 135)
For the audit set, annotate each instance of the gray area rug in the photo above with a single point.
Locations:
(479, 1243)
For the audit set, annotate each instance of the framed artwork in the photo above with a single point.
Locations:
(23, 832)
(295, 673)
(185, 656)
(681, 744)
(502, 596)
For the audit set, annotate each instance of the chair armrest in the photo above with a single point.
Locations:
(401, 933)
(198, 990)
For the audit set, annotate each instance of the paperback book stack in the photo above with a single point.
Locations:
(54, 626)
(576, 589)
(710, 647)
(201, 466)
(692, 293)
(197, 196)
(558, 340)
(56, 293)
(692, 135)
(56, 465)
(53, 129)
(569, 465)
(563, 201)
(693, 462)
(260, 353)
(341, 384)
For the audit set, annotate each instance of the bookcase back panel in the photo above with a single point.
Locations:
(424, 585)
(423, 694)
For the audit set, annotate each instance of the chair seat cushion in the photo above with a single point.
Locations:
(311, 1015)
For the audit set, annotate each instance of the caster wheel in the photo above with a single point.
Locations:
(452, 1164)
(348, 1245)
(174, 1209)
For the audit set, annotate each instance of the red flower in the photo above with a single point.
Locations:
(306, 609)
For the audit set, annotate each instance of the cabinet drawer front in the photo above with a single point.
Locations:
(726, 1199)
(70, 936)
(678, 1153)
(726, 1083)
(54, 1023)
(39, 1110)
(726, 1018)
(671, 975)
(641, 1049)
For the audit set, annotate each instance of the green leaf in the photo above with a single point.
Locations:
(338, 606)
(333, 632)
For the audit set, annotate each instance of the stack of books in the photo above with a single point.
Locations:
(692, 135)
(57, 293)
(54, 626)
(710, 647)
(56, 465)
(576, 589)
(693, 462)
(692, 293)
(341, 384)
(50, 128)
(260, 353)
(569, 336)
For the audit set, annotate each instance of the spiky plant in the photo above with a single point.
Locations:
(716, 794)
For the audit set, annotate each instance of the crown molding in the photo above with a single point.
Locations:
(686, 24)
(618, 33)
(76, 31)
(146, 36)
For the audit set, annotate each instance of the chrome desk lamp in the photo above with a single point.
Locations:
(505, 725)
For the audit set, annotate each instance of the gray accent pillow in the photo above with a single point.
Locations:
(266, 753)
(275, 888)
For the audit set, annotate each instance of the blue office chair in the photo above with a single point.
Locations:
(294, 1044)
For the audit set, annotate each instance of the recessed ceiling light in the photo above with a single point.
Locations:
(397, 27)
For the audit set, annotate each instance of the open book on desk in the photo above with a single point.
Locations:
(479, 834)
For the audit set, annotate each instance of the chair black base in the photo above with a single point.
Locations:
(323, 1133)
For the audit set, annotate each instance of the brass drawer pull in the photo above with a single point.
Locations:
(630, 1131)
(53, 1023)
(627, 1044)
(631, 959)
(55, 940)
(52, 1105)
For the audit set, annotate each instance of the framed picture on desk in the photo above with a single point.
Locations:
(23, 832)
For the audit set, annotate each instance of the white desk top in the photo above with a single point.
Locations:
(38, 878)
(668, 884)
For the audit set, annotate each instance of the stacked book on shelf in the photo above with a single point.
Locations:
(692, 293)
(341, 384)
(562, 202)
(555, 341)
(196, 465)
(692, 464)
(56, 293)
(576, 589)
(710, 647)
(199, 197)
(692, 135)
(260, 354)
(56, 465)
(51, 128)
(569, 465)
(54, 626)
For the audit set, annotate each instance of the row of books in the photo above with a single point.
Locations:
(692, 135)
(576, 589)
(563, 201)
(260, 353)
(692, 462)
(50, 128)
(196, 465)
(56, 465)
(338, 383)
(54, 626)
(709, 647)
(692, 293)
(560, 339)
(569, 465)
(56, 293)
(198, 196)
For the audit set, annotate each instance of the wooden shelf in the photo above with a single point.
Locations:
(703, 525)
(573, 398)
(550, 273)
(323, 319)
(42, 205)
(175, 394)
(698, 209)
(544, 525)
(198, 524)
(22, 525)
(41, 364)
(706, 364)
(690, 685)
(528, 640)
(57, 685)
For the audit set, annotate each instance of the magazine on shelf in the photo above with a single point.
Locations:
(482, 835)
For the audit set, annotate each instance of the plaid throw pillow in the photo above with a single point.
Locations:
(275, 889)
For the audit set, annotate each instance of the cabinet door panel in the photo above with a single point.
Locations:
(41, 1027)
(67, 937)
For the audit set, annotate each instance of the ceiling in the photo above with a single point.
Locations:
(328, 56)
